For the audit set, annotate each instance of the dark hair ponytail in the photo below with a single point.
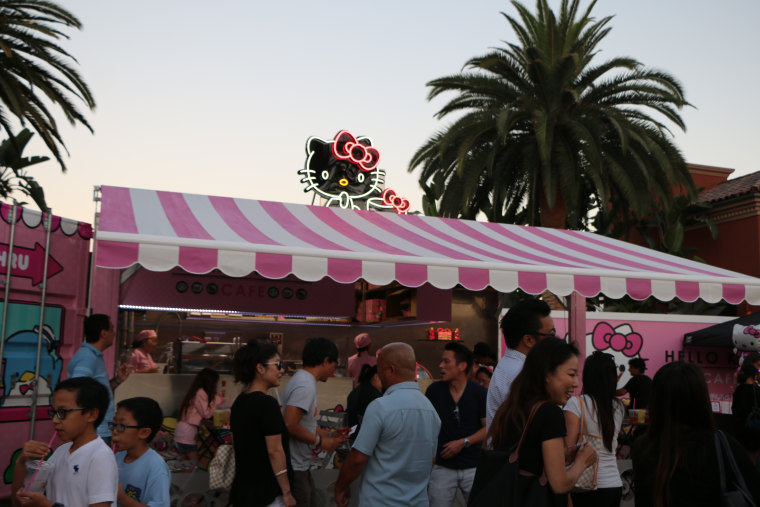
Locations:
(600, 383)
(248, 357)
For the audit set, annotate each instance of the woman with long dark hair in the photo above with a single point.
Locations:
(263, 474)
(675, 461)
(746, 397)
(547, 381)
(602, 414)
(199, 403)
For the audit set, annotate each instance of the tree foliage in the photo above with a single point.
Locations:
(539, 126)
(13, 175)
(37, 76)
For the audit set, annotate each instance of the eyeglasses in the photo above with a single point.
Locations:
(121, 428)
(456, 415)
(553, 334)
(61, 412)
(278, 363)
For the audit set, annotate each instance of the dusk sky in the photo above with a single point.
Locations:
(219, 97)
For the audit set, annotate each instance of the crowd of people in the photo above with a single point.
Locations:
(409, 448)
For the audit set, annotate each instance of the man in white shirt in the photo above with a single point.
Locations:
(524, 325)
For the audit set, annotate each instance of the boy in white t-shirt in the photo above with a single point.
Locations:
(84, 471)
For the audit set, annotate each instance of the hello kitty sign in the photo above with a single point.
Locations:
(345, 172)
(746, 338)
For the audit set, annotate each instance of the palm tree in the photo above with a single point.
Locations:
(13, 175)
(540, 129)
(36, 73)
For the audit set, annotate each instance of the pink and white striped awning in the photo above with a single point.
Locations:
(199, 233)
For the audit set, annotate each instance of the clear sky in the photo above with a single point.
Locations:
(220, 97)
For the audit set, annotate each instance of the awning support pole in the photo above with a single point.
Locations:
(96, 197)
(577, 327)
(48, 222)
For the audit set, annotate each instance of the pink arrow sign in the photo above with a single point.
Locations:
(28, 262)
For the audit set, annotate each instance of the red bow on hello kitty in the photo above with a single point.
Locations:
(346, 147)
(397, 202)
(605, 337)
(750, 330)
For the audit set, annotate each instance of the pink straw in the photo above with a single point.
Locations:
(50, 444)
(113, 448)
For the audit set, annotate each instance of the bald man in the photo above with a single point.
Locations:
(397, 442)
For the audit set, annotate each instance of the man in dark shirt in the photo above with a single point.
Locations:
(639, 386)
(461, 405)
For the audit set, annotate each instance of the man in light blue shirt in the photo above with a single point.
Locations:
(398, 438)
(88, 361)
(525, 324)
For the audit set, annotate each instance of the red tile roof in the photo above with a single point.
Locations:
(747, 184)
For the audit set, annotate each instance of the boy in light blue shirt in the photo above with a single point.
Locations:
(144, 478)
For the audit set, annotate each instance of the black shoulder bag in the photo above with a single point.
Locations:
(738, 496)
(499, 480)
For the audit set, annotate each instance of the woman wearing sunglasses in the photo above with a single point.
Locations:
(262, 463)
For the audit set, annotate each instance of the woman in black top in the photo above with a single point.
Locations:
(746, 397)
(675, 462)
(548, 379)
(364, 394)
(262, 463)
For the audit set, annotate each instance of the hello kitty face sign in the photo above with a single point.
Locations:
(622, 342)
(746, 337)
(345, 171)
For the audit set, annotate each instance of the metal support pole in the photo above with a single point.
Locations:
(96, 196)
(48, 222)
(8, 267)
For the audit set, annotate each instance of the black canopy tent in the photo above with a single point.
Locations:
(720, 335)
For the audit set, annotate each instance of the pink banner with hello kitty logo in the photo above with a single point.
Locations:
(658, 340)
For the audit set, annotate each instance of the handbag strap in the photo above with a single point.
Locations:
(584, 425)
(721, 468)
(721, 445)
(533, 411)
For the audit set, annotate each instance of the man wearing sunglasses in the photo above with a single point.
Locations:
(525, 324)
(461, 405)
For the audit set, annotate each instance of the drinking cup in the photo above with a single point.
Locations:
(37, 475)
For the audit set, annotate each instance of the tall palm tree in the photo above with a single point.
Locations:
(36, 73)
(540, 128)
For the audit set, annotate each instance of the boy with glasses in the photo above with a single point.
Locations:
(84, 469)
(144, 478)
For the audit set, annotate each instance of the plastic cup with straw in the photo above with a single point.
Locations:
(41, 460)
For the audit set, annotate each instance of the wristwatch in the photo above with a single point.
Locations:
(466, 442)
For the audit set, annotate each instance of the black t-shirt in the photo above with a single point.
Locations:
(253, 417)
(357, 402)
(746, 397)
(548, 423)
(696, 480)
(639, 387)
(470, 409)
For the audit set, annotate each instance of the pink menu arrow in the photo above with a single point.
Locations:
(28, 262)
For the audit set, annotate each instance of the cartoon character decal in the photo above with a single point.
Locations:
(20, 363)
(345, 171)
(746, 338)
(622, 342)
